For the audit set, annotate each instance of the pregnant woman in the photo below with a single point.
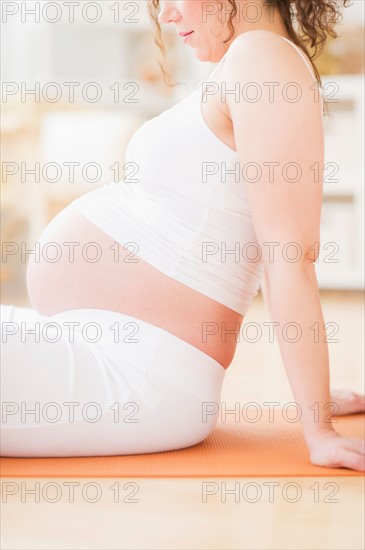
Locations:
(135, 320)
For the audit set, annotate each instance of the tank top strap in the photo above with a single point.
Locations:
(306, 61)
(211, 76)
(209, 79)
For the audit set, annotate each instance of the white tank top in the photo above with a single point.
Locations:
(186, 211)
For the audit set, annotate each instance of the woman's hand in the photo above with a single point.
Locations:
(348, 402)
(334, 451)
(331, 449)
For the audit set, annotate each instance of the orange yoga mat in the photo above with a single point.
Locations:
(243, 449)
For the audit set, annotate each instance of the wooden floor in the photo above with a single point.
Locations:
(304, 513)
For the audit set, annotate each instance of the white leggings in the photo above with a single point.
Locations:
(91, 382)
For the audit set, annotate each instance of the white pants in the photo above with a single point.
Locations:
(93, 382)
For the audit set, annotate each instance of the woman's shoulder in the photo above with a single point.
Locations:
(262, 54)
(257, 37)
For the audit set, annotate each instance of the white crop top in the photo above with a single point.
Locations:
(186, 211)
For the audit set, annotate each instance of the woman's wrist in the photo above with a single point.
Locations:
(323, 434)
(319, 427)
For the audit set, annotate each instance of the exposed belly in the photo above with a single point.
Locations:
(120, 281)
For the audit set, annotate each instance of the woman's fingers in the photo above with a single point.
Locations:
(342, 458)
(350, 459)
(339, 452)
(348, 402)
(356, 445)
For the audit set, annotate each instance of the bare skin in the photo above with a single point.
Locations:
(129, 285)
(348, 402)
(335, 451)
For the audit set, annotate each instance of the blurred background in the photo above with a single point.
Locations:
(78, 78)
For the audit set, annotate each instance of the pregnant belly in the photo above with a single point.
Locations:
(79, 267)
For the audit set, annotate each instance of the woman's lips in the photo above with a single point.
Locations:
(186, 35)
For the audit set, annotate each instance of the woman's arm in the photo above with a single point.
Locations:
(280, 136)
(346, 401)
(294, 303)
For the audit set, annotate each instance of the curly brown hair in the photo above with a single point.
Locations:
(316, 20)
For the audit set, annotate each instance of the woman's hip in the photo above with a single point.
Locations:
(97, 374)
